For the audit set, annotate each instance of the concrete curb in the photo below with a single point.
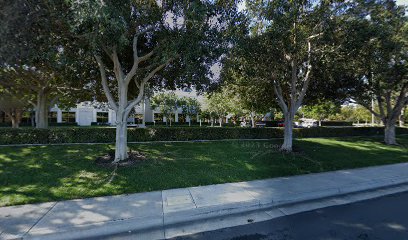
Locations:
(225, 210)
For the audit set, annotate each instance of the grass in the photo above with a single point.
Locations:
(50, 173)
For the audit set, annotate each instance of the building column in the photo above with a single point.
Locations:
(176, 117)
(112, 117)
(148, 114)
(94, 115)
(59, 115)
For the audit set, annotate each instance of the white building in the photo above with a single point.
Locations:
(86, 113)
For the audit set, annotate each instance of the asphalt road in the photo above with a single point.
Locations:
(375, 219)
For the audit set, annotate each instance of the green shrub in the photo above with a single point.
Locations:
(336, 123)
(107, 135)
(63, 124)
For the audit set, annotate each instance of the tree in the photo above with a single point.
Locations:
(288, 38)
(403, 117)
(150, 44)
(375, 33)
(190, 107)
(321, 111)
(12, 107)
(167, 103)
(218, 105)
(32, 56)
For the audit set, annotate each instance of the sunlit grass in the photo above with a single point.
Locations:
(51, 173)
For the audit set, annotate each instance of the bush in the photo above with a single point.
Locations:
(63, 124)
(107, 135)
(336, 123)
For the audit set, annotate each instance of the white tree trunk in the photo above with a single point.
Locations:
(14, 123)
(401, 118)
(288, 133)
(41, 111)
(15, 116)
(389, 133)
(220, 122)
(121, 149)
(253, 119)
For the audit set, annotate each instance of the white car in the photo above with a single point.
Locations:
(308, 123)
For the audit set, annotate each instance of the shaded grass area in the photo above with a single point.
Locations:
(50, 173)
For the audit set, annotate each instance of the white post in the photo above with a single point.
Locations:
(59, 115)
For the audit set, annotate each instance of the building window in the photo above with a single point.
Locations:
(52, 117)
(138, 118)
(158, 117)
(182, 118)
(102, 117)
(68, 117)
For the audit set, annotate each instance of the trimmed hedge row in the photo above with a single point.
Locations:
(336, 123)
(107, 135)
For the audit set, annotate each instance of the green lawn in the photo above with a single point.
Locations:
(49, 173)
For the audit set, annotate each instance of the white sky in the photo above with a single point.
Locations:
(402, 2)
(241, 6)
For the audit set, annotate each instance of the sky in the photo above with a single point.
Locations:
(402, 2)
(399, 2)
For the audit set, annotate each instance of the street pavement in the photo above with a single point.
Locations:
(178, 212)
(381, 218)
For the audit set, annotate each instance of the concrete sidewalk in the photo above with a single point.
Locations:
(169, 213)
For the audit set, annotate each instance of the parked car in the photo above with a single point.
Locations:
(308, 123)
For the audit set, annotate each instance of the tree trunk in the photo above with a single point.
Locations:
(288, 133)
(401, 118)
(220, 122)
(41, 111)
(15, 117)
(389, 133)
(189, 121)
(252, 120)
(121, 150)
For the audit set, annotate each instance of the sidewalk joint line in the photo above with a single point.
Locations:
(163, 226)
(191, 195)
(39, 219)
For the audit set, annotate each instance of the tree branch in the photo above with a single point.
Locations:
(306, 79)
(105, 83)
(154, 71)
(369, 109)
(278, 91)
(117, 68)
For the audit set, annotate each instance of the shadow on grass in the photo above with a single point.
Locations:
(52, 173)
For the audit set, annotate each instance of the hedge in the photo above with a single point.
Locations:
(107, 135)
(336, 123)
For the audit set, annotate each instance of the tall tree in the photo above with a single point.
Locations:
(321, 110)
(287, 40)
(167, 103)
(32, 57)
(12, 107)
(140, 44)
(375, 34)
(190, 107)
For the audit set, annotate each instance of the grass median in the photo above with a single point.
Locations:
(51, 173)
